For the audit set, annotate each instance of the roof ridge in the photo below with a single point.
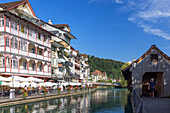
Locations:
(146, 53)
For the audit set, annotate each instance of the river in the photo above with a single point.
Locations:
(99, 101)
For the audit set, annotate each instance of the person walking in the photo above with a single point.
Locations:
(151, 87)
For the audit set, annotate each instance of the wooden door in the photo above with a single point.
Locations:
(159, 84)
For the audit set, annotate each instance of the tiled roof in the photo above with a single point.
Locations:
(61, 26)
(104, 74)
(96, 72)
(84, 55)
(12, 4)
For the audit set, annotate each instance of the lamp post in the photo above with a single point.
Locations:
(134, 66)
(12, 90)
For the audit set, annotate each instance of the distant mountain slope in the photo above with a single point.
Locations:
(111, 67)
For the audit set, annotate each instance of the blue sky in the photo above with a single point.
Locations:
(114, 29)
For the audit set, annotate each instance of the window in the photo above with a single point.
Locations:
(49, 69)
(25, 30)
(14, 62)
(14, 42)
(49, 54)
(22, 28)
(30, 32)
(40, 67)
(25, 65)
(1, 40)
(12, 24)
(7, 41)
(33, 50)
(39, 36)
(33, 33)
(16, 26)
(7, 22)
(7, 61)
(33, 66)
(40, 52)
(3, 61)
(1, 21)
(23, 45)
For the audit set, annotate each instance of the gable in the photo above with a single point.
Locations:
(153, 48)
(19, 7)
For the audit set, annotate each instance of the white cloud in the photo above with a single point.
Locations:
(106, 1)
(157, 32)
(118, 1)
(152, 15)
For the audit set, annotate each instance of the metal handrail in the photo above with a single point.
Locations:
(139, 107)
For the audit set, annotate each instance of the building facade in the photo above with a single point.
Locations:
(32, 47)
(152, 64)
(25, 47)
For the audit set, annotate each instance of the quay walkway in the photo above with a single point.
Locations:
(157, 105)
(19, 99)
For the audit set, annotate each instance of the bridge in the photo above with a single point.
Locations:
(104, 84)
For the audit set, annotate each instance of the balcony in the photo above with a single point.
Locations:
(60, 76)
(14, 31)
(1, 28)
(25, 53)
(23, 35)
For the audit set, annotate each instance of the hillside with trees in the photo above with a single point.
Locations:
(111, 67)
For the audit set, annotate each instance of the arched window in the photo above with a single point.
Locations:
(14, 42)
(14, 62)
(7, 41)
(7, 61)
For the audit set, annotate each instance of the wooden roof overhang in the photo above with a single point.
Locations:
(126, 70)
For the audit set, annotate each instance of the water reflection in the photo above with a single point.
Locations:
(102, 100)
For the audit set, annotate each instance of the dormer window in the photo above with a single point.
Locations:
(154, 58)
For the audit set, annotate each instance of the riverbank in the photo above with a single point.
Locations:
(8, 102)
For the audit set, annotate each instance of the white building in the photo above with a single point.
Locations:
(25, 48)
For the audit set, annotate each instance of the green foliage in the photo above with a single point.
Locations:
(123, 83)
(111, 67)
(125, 65)
(103, 81)
(66, 54)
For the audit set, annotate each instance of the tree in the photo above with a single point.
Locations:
(125, 65)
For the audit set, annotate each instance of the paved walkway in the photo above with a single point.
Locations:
(157, 105)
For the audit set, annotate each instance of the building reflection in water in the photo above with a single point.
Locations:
(104, 100)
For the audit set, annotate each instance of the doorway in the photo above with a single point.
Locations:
(158, 78)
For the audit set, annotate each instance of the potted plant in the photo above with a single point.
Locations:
(45, 91)
(25, 93)
(59, 90)
(82, 88)
(86, 88)
(76, 88)
(68, 89)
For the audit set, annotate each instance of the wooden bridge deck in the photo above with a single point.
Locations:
(157, 105)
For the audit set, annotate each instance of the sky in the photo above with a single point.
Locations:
(114, 29)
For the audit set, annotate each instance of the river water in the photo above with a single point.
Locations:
(99, 101)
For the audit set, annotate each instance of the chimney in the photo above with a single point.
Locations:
(50, 22)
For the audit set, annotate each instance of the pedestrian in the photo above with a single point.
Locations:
(151, 87)
(29, 90)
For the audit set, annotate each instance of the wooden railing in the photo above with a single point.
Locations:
(138, 103)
